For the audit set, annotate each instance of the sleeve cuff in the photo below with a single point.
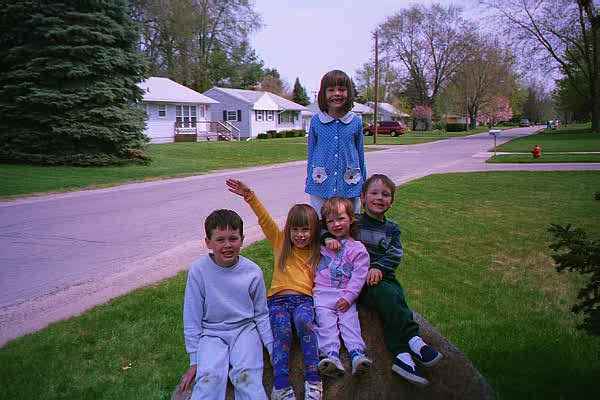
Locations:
(193, 359)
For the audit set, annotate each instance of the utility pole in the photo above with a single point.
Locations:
(376, 86)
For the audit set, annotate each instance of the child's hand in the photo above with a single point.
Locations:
(187, 379)
(238, 187)
(342, 305)
(333, 244)
(374, 276)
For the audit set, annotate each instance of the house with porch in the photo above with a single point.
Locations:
(253, 112)
(387, 112)
(177, 113)
(365, 113)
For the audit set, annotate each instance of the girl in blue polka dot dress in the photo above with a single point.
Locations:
(336, 157)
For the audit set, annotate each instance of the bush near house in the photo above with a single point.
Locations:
(456, 127)
(282, 134)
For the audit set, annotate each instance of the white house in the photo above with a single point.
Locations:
(254, 112)
(387, 112)
(364, 112)
(174, 110)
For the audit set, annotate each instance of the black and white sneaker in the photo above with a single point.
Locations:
(427, 356)
(409, 372)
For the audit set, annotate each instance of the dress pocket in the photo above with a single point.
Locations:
(319, 175)
(352, 176)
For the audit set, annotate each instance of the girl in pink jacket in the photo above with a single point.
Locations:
(339, 279)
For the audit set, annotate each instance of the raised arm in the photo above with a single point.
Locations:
(266, 222)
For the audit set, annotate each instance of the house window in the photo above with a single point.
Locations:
(270, 115)
(231, 115)
(260, 115)
(185, 116)
(286, 117)
(162, 111)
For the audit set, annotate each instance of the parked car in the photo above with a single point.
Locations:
(392, 128)
(524, 122)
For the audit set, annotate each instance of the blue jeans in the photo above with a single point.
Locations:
(282, 311)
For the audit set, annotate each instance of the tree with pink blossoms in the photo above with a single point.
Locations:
(422, 114)
(497, 110)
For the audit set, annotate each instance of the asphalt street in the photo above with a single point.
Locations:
(62, 254)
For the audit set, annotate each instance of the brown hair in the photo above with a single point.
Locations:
(223, 219)
(383, 179)
(301, 215)
(335, 78)
(333, 206)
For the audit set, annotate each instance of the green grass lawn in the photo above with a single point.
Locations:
(546, 158)
(169, 160)
(477, 266)
(568, 138)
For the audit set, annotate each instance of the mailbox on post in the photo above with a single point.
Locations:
(494, 132)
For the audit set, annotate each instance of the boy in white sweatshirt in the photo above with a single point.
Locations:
(225, 316)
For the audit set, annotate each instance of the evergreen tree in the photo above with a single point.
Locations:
(68, 75)
(299, 94)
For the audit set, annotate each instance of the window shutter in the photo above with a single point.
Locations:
(224, 115)
(239, 115)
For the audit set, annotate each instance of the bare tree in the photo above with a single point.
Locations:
(484, 74)
(184, 39)
(389, 81)
(558, 34)
(428, 44)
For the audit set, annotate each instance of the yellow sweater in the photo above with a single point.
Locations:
(298, 274)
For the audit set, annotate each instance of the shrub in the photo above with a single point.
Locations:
(575, 252)
(262, 136)
(289, 134)
(440, 126)
(456, 127)
(271, 134)
(279, 134)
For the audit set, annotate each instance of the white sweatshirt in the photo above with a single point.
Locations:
(224, 299)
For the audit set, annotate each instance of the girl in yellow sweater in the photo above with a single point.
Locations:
(296, 250)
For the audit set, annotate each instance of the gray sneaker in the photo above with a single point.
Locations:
(313, 390)
(331, 366)
(283, 394)
(361, 364)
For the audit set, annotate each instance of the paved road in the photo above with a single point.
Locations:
(62, 254)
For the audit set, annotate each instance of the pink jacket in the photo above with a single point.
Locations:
(341, 274)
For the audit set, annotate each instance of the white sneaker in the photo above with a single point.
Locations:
(283, 394)
(313, 391)
(361, 364)
(331, 366)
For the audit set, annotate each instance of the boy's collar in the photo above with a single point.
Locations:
(326, 118)
(368, 214)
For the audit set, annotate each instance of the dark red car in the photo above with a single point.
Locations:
(392, 128)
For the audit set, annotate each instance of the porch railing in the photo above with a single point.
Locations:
(208, 130)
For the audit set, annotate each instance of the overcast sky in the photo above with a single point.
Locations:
(307, 38)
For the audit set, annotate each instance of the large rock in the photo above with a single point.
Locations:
(454, 377)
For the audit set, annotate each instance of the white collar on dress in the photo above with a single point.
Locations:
(326, 118)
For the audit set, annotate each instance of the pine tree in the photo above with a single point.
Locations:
(299, 94)
(68, 75)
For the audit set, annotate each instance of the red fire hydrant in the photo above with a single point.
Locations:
(537, 151)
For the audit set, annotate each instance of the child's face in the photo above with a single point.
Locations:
(336, 97)
(338, 223)
(378, 198)
(300, 236)
(225, 245)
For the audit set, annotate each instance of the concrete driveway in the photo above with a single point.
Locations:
(62, 254)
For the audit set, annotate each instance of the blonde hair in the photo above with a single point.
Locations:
(333, 206)
(301, 215)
